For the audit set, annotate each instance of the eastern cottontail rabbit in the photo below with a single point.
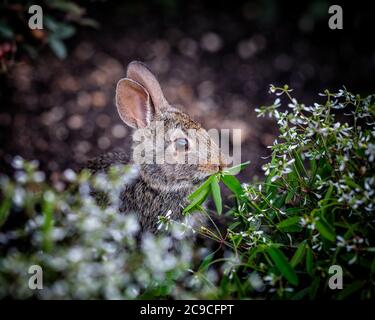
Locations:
(164, 181)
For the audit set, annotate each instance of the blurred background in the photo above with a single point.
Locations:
(214, 59)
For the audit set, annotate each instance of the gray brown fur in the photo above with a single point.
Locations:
(158, 188)
(138, 197)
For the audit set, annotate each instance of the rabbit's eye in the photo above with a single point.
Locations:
(182, 144)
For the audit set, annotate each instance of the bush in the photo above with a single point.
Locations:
(315, 209)
(60, 21)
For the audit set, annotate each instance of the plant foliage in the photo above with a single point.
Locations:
(314, 209)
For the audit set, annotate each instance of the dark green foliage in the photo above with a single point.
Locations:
(60, 21)
(314, 209)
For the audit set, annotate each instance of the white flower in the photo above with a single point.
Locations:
(39, 176)
(274, 178)
(75, 254)
(18, 162)
(370, 151)
(70, 175)
(19, 196)
(256, 282)
(131, 224)
(91, 224)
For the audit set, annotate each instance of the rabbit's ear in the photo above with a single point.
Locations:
(139, 72)
(133, 103)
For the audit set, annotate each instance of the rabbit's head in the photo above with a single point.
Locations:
(173, 151)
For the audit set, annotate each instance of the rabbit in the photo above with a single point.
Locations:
(159, 189)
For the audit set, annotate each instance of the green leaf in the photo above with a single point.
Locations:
(325, 229)
(204, 185)
(350, 289)
(301, 294)
(5, 210)
(234, 225)
(236, 169)
(59, 30)
(270, 187)
(352, 184)
(47, 209)
(313, 166)
(325, 169)
(6, 31)
(290, 195)
(309, 260)
(58, 47)
(299, 164)
(283, 265)
(313, 289)
(253, 252)
(215, 188)
(87, 22)
(6, 203)
(50, 23)
(206, 261)
(279, 201)
(326, 199)
(66, 6)
(233, 184)
(290, 211)
(291, 224)
(198, 200)
(299, 254)
(224, 285)
(64, 31)
(328, 193)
